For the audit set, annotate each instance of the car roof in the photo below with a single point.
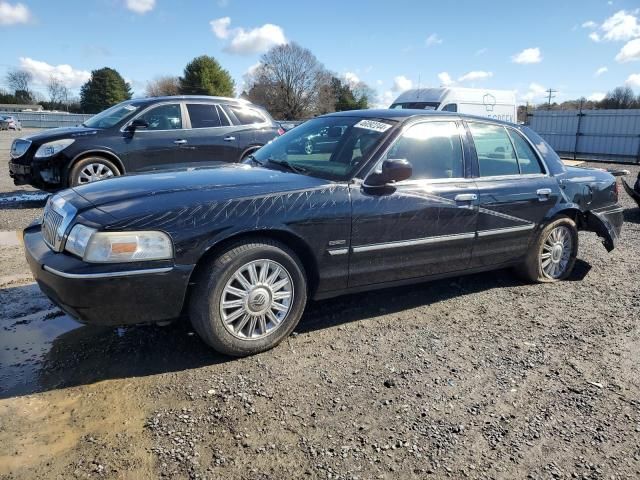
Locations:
(190, 97)
(401, 115)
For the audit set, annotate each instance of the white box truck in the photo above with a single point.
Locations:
(498, 104)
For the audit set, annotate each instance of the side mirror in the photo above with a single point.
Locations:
(136, 124)
(393, 170)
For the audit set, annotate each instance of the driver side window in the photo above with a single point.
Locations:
(163, 117)
(434, 150)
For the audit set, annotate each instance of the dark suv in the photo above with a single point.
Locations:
(142, 134)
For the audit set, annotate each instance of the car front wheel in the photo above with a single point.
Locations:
(92, 169)
(552, 255)
(249, 298)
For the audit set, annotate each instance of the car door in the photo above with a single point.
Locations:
(211, 138)
(515, 193)
(421, 226)
(156, 146)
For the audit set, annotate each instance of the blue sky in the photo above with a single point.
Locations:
(579, 47)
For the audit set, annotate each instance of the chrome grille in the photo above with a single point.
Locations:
(51, 222)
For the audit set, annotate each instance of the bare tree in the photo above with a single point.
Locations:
(58, 92)
(19, 80)
(620, 97)
(289, 82)
(164, 85)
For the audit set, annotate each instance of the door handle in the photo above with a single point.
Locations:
(229, 139)
(466, 197)
(543, 193)
(180, 142)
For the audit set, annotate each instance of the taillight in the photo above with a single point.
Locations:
(281, 131)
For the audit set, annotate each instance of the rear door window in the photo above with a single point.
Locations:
(496, 155)
(527, 159)
(246, 115)
(203, 115)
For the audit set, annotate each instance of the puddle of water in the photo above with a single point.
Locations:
(24, 343)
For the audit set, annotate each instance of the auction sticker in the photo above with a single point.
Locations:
(373, 125)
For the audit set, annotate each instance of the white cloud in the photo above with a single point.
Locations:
(386, 99)
(445, 79)
(475, 75)
(633, 81)
(630, 52)
(621, 26)
(246, 42)
(433, 39)
(596, 96)
(220, 27)
(42, 72)
(141, 6)
(351, 78)
(595, 36)
(528, 55)
(401, 83)
(600, 71)
(535, 92)
(590, 24)
(13, 14)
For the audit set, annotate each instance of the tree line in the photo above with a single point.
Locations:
(289, 81)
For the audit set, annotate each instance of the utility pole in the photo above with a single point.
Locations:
(551, 92)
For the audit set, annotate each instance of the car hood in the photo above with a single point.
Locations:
(135, 195)
(62, 132)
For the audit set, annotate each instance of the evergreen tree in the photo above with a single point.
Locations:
(204, 76)
(105, 88)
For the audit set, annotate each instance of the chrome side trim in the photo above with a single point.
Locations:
(411, 243)
(338, 251)
(127, 273)
(500, 231)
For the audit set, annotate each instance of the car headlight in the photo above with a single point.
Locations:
(115, 247)
(51, 148)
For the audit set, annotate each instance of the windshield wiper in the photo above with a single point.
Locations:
(253, 158)
(289, 166)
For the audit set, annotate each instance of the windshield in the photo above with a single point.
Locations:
(111, 116)
(416, 105)
(328, 147)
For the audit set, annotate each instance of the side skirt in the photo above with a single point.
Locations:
(410, 281)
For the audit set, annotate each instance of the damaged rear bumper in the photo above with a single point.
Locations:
(607, 223)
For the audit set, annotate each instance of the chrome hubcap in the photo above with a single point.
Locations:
(308, 147)
(256, 299)
(94, 172)
(556, 252)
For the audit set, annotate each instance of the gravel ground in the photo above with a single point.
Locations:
(474, 377)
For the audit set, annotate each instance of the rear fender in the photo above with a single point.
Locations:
(607, 224)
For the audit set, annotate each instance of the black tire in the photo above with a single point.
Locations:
(74, 174)
(206, 298)
(532, 268)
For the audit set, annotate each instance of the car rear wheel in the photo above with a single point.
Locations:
(92, 169)
(249, 298)
(553, 253)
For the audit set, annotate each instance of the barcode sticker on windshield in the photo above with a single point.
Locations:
(373, 125)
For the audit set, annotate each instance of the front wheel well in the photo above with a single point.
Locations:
(295, 243)
(106, 155)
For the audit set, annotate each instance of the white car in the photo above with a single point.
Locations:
(496, 104)
(8, 122)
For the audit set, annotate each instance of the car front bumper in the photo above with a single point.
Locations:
(107, 294)
(46, 174)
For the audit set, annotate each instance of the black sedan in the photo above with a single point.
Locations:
(142, 134)
(405, 196)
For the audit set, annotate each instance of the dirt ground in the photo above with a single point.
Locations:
(480, 376)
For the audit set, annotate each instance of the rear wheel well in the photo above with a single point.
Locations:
(574, 214)
(248, 151)
(299, 247)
